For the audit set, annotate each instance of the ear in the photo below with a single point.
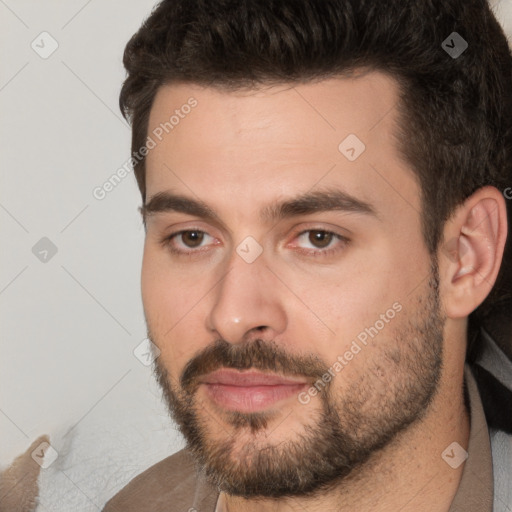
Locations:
(472, 250)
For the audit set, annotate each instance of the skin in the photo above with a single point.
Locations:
(241, 151)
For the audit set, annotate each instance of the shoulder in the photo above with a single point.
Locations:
(171, 481)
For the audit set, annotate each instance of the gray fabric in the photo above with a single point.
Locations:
(501, 447)
(493, 359)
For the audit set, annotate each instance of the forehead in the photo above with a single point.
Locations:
(283, 139)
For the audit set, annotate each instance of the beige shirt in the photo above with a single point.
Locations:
(173, 484)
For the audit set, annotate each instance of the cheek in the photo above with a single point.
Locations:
(165, 295)
(354, 310)
(153, 286)
(172, 309)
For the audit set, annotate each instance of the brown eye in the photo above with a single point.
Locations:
(188, 242)
(192, 238)
(320, 239)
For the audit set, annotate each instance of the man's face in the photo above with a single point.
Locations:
(295, 341)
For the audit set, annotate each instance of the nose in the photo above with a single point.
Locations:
(247, 303)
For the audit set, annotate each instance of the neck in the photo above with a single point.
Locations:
(409, 474)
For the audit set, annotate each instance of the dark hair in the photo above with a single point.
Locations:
(455, 113)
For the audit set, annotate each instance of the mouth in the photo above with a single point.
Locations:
(249, 391)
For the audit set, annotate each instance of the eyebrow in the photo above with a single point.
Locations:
(305, 204)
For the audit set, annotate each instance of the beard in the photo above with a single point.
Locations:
(349, 425)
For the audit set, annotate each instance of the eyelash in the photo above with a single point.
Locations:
(167, 243)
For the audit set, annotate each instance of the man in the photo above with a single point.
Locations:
(323, 196)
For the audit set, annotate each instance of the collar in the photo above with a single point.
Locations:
(476, 488)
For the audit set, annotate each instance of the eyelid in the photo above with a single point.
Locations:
(167, 242)
(342, 239)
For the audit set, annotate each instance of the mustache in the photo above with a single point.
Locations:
(256, 354)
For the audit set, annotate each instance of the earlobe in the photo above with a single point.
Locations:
(477, 234)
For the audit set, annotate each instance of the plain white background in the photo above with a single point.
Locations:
(71, 320)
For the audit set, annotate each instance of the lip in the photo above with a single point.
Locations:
(249, 391)
(228, 377)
